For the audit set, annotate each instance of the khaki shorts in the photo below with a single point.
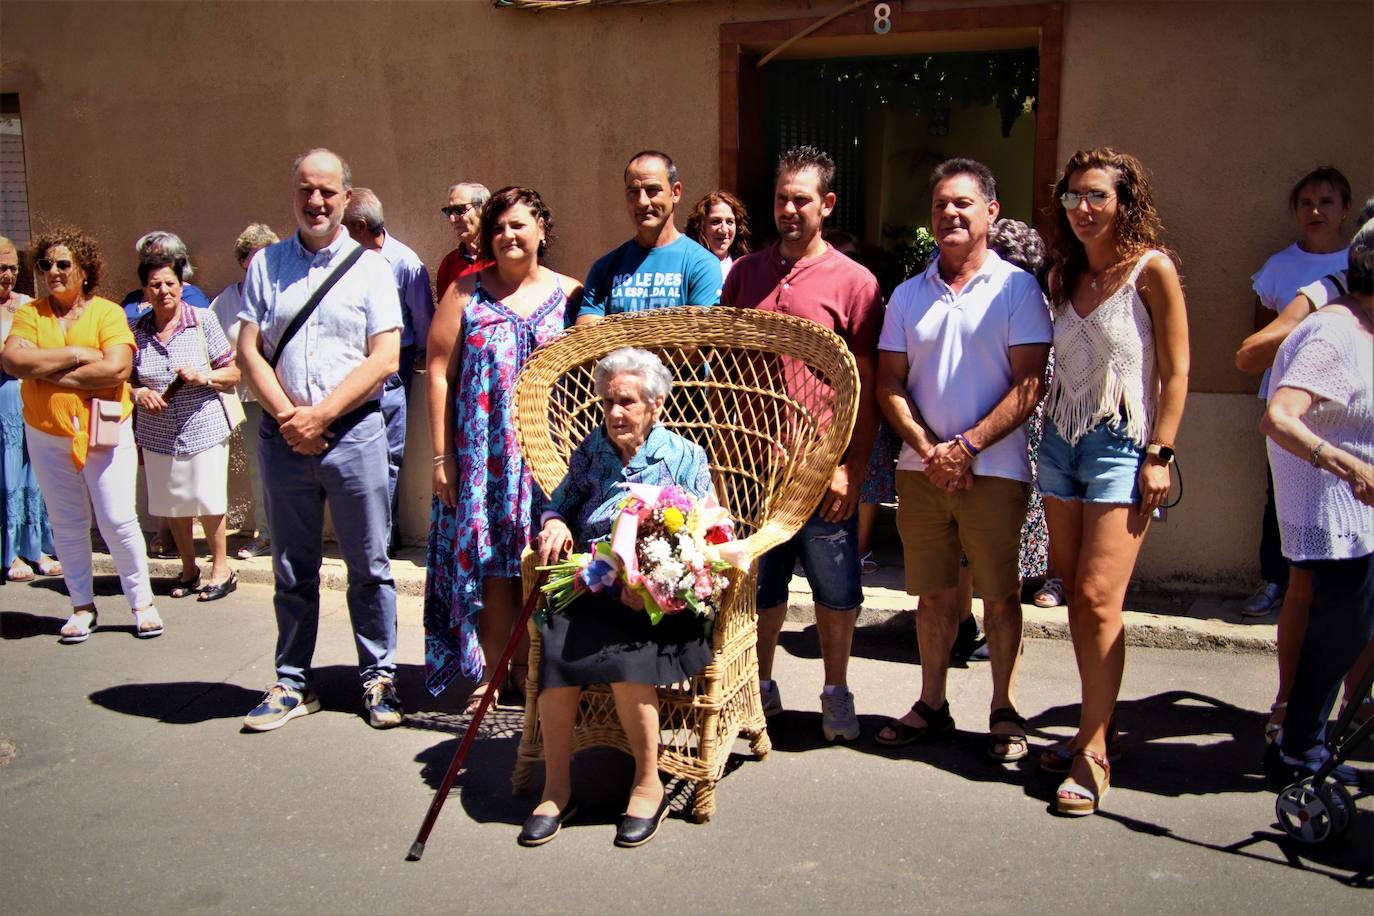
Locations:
(983, 522)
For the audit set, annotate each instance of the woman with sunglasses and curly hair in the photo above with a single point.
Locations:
(721, 224)
(73, 349)
(1113, 411)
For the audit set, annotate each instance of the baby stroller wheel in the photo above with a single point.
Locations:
(1314, 815)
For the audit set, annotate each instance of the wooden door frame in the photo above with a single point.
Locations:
(741, 84)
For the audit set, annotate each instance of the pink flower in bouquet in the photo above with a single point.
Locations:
(705, 584)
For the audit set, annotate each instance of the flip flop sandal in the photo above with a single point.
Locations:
(149, 615)
(938, 722)
(475, 699)
(1014, 746)
(185, 588)
(83, 622)
(1082, 800)
(46, 567)
(217, 590)
(20, 571)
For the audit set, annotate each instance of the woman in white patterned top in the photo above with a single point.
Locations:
(1320, 423)
(182, 361)
(1114, 407)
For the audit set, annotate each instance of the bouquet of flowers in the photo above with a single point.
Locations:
(669, 547)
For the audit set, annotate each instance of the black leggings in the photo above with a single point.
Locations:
(1339, 627)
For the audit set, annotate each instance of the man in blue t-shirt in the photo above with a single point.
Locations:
(660, 266)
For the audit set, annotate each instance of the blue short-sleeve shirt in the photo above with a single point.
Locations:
(334, 342)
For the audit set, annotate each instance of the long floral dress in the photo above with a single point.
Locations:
(26, 532)
(489, 526)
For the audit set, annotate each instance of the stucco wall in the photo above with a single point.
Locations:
(186, 116)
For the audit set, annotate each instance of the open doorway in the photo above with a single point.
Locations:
(887, 121)
(888, 107)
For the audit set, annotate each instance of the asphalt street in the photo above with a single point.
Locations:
(128, 788)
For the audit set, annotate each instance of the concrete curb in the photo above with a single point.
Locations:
(1204, 623)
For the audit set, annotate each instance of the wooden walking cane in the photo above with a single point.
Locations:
(417, 849)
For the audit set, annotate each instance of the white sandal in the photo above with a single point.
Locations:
(83, 622)
(147, 615)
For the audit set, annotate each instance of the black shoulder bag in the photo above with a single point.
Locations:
(312, 303)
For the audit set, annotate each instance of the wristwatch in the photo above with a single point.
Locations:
(1165, 453)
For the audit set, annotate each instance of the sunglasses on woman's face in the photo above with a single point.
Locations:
(47, 264)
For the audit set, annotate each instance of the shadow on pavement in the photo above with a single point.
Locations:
(1174, 744)
(178, 703)
(19, 625)
(891, 640)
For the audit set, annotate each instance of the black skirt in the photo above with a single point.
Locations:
(598, 640)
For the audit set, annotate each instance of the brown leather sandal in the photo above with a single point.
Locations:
(1005, 748)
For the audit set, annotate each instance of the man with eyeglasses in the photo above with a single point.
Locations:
(366, 222)
(961, 366)
(464, 213)
(659, 266)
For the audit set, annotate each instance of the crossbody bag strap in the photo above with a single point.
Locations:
(312, 303)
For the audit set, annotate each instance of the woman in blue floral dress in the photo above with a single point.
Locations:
(484, 329)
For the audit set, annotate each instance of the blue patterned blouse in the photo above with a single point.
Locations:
(588, 497)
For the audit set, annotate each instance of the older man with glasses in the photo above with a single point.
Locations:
(464, 213)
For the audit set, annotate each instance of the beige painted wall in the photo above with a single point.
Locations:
(186, 116)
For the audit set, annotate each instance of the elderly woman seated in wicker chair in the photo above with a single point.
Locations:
(604, 638)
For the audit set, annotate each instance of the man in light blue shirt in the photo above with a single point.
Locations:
(322, 440)
(659, 267)
(366, 223)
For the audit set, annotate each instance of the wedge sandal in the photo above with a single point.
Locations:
(1077, 800)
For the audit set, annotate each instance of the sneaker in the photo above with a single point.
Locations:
(382, 705)
(279, 705)
(837, 715)
(1267, 597)
(770, 697)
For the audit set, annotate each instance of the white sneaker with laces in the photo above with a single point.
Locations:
(1267, 597)
(838, 720)
(770, 697)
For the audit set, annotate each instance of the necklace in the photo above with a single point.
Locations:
(1095, 276)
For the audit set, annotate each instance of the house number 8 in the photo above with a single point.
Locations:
(882, 18)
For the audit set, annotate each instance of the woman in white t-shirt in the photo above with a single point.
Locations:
(1319, 202)
(1320, 422)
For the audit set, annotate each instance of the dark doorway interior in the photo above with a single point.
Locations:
(887, 121)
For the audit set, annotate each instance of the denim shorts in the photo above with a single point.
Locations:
(829, 554)
(1104, 467)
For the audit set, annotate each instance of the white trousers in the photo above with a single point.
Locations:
(106, 484)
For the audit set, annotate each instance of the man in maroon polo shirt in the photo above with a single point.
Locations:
(802, 275)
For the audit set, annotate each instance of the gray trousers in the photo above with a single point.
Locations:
(351, 476)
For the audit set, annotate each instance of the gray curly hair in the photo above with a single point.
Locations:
(1019, 244)
(656, 380)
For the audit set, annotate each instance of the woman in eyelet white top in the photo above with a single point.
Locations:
(1320, 423)
(1114, 407)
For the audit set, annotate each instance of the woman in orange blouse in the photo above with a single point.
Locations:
(71, 347)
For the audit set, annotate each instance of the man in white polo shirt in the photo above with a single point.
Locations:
(961, 365)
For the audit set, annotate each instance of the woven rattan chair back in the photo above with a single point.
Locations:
(772, 400)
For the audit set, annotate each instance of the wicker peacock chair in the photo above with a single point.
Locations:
(772, 400)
